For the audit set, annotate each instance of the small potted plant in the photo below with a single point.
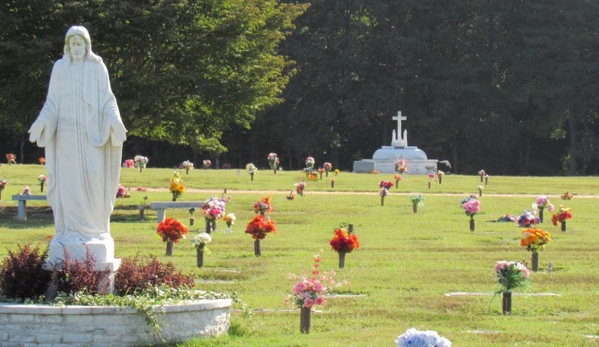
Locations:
(510, 275)
(171, 231)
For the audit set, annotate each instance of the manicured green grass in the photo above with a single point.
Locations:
(406, 264)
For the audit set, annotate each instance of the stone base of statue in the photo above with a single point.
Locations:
(101, 249)
(384, 160)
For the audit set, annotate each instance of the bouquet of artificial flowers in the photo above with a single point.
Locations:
(171, 230)
(527, 219)
(176, 187)
(310, 162)
(200, 241)
(128, 163)
(567, 196)
(471, 206)
(230, 220)
(344, 241)
(207, 163)
(141, 161)
(273, 161)
(251, 169)
(310, 291)
(511, 275)
(187, 165)
(418, 338)
(299, 187)
(260, 226)
(3, 184)
(264, 205)
(534, 239)
(214, 208)
(561, 215)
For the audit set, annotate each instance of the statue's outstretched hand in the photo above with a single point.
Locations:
(118, 134)
(35, 131)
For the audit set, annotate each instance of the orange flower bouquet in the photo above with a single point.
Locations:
(263, 205)
(171, 230)
(344, 241)
(260, 226)
(535, 240)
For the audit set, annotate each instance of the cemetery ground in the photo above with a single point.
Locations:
(400, 275)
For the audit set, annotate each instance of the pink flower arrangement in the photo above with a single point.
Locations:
(542, 203)
(310, 290)
(471, 207)
(129, 163)
(214, 208)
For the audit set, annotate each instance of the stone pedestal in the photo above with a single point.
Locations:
(384, 160)
(102, 250)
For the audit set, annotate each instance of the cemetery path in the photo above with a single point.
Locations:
(323, 192)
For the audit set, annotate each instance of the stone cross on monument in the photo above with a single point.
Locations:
(399, 141)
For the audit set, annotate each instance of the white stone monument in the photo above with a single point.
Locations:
(384, 159)
(81, 129)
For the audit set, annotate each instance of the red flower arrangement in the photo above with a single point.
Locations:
(561, 215)
(260, 226)
(264, 205)
(171, 230)
(344, 241)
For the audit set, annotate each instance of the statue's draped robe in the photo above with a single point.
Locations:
(82, 163)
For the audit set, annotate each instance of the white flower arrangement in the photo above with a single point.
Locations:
(201, 240)
(418, 338)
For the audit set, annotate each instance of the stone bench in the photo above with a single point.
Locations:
(161, 206)
(22, 199)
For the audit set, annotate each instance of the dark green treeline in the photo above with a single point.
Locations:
(506, 86)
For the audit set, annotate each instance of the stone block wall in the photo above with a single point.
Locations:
(87, 326)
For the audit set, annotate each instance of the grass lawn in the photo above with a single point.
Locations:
(406, 264)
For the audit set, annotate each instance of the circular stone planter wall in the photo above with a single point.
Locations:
(43, 325)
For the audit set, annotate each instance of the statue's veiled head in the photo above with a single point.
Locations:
(74, 35)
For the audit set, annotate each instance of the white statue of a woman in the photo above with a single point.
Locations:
(81, 129)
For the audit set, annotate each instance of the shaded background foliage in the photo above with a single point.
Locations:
(509, 87)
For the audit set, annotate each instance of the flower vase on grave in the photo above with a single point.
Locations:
(342, 260)
(541, 209)
(42, 185)
(320, 175)
(382, 201)
(252, 176)
(275, 170)
(564, 226)
(326, 172)
(200, 257)
(208, 226)
(174, 197)
(141, 168)
(429, 184)
(305, 314)
(142, 213)
(415, 208)
(213, 224)
(507, 302)
(481, 177)
(257, 251)
(472, 224)
(486, 180)
(187, 171)
(535, 261)
(440, 178)
(192, 221)
(396, 184)
(169, 248)
(333, 183)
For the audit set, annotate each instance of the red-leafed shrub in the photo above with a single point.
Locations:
(136, 274)
(22, 274)
(71, 276)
